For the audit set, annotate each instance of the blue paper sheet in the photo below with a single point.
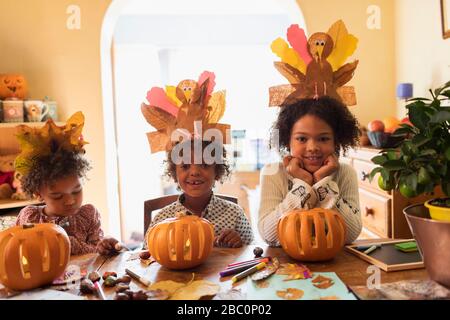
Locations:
(277, 283)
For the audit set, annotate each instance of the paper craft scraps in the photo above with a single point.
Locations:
(294, 271)
(276, 288)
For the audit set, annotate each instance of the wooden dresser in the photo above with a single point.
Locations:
(381, 211)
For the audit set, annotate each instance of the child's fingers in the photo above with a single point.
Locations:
(223, 235)
(230, 236)
(235, 242)
(286, 160)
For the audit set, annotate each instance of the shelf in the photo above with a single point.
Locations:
(30, 124)
(9, 204)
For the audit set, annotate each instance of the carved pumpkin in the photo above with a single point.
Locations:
(33, 255)
(312, 235)
(13, 86)
(182, 242)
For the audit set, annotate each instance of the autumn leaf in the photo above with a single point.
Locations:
(322, 282)
(294, 271)
(270, 269)
(290, 294)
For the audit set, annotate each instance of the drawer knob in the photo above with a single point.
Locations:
(364, 175)
(369, 211)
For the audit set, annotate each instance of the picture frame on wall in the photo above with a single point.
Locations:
(445, 16)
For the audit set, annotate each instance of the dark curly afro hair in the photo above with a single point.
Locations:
(343, 123)
(48, 169)
(222, 169)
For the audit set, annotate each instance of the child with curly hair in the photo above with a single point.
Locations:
(54, 174)
(196, 181)
(311, 133)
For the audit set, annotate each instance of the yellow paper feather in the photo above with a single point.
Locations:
(216, 107)
(344, 44)
(288, 55)
(171, 94)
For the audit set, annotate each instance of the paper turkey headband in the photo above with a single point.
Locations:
(50, 139)
(189, 110)
(316, 66)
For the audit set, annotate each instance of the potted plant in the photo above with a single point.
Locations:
(420, 164)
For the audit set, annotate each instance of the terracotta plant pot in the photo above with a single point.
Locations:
(433, 239)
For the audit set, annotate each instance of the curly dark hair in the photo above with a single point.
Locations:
(47, 169)
(343, 123)
(222, 169)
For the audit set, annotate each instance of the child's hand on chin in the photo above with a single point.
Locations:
(106, 246)
(294, 166)
(330, 165)
(229, 238)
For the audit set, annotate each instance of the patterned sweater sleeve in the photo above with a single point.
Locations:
(273, 204)
(29, 214)
(87, 243)
(344, 199)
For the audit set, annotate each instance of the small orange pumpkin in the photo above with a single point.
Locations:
(13, 86)
(312, 235)
(182, 242)
(33, 255)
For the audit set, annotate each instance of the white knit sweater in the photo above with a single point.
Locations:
(281, 193)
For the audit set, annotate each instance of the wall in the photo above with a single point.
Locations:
(374, 79)
(422, 55)
(63, 64)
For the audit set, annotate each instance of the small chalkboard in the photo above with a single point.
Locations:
(387, 257)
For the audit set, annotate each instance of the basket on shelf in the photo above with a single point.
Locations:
(383, 139)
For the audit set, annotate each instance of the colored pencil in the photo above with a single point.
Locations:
(248, 272)
(243, 262)
(239, 268)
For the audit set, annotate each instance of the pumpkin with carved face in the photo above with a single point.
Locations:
(13, 86)
(33, 255)
(182, 242)
(312, 235)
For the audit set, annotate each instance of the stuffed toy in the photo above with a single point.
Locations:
(13, 86)
(6, 176)
(17, 185)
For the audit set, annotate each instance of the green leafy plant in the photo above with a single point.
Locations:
(422, 160)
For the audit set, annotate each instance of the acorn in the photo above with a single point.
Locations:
(258, 252)
(87, 286)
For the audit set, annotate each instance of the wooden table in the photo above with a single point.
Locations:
(350, 269)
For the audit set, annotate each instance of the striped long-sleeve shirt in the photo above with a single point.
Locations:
(281, 193)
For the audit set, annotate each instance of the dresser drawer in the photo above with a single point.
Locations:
(375, 212)
(363, 170)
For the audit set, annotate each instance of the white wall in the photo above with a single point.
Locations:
(422, 55)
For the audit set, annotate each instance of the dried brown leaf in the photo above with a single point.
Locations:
(290, 294)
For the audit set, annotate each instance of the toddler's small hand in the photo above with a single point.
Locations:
(228, 238)
(107, 246)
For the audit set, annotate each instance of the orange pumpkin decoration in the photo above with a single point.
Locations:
(182, 242)
(13, 86)
(33, 255)
(312, 235)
